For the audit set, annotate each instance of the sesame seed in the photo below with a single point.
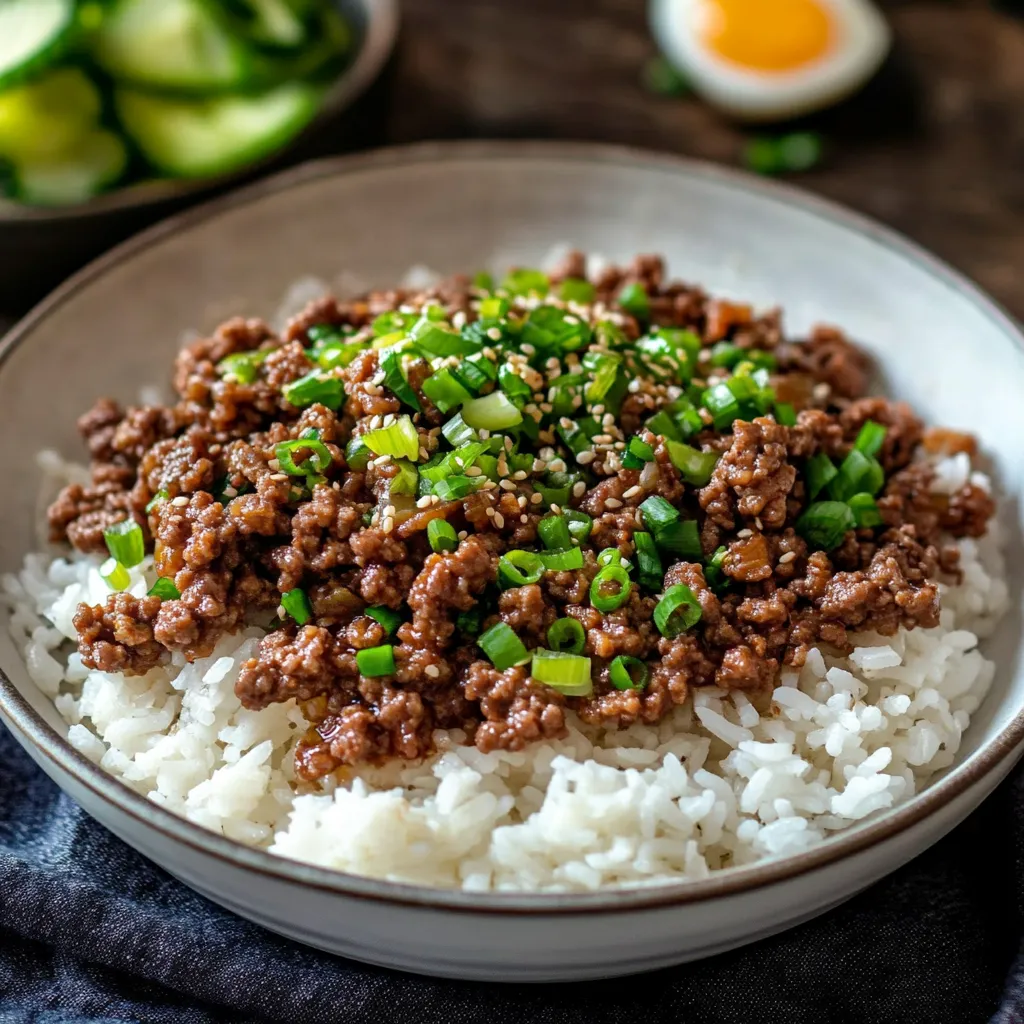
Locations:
(508, 444)
(546, 407)
(462, 534)
(278, 476)
(557, 465)
(274, 465)
(579, 488)
(633, 491)
(506, 485)
(536, 499)
(571, 320)
(744, 534)
(389, 510)
(424, 454)
(389, 524)
(383, 460)
(499, 520)
(494, 333)
(577, 401)
(566, 423)
(433, 671)
(458, 322)
(757, 522)
(603, 438)
(539, 465)
(424, 502)
(528, 348)
(524, 519)
(612, 503)
(484, 434)
(557, 509)
(585, 458)
(519, 474)
(474, 471)
(633, 387)
(598, 410)
(230, 492)
(281, 611)
(389, 419)
(789, 556)
(490, 513)
(180, 502)
(522, 500)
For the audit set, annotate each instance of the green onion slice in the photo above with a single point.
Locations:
(858, 472)
(569, 674)
(649, 568)
(609, 556)
(453, 488)
(469, 622)
(398, 439)
(243, 366)
(495, 411)
(633, 299)
(387, 617)
(825, 523)
(821, 471)
(125, 542)
(502, 646)
(694, 466)
(560, 561)
(318, 460)
(116, 575)
(554, 533)
(296, 604)
(445, 390)
(312, 388)
(658, 513)
(785, 414)
(519, 568)
(870, 438)
(637, 454)
(575, 289)
(677, 610)
(376, 661)
(394, 379)
(579, 524)
(357, 454)
(157, 498)
(681, 537)
(165, 589)
(865, 510)
(628, 673)
(610, 588)
(526, 282)
(567, 636)
(442, 535)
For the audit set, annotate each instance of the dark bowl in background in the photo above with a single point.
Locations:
(39, 247)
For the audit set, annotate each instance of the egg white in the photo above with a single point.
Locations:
(862, 41)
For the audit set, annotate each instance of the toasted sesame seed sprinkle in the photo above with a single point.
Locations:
(281, 611)
(494, 333)
(474, 471)
(579, 488)
(557, 509)
(566, 423)
(499, 520)
(506, 485)
(462, 534)
(424, 454)
(602, 439)
(230, 492)
(598, 410)
(274, 464)
(789, 556)
(524, 519)
(519, 474)
(180, 502)
(536, 499)
(585, 458)
(433, 671)
(389, 524)
(744, 534)
(612, 503)
(278, 476)
(490, 512)
(522, 500)
(633, 491)
(557, 465)
(389, 510)
(424, 502)
(528, 348)
(758, 523)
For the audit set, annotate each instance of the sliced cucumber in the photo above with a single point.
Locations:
(46, 117)
(206, 138)
(170, 44)
(32, 33)
(94, 163)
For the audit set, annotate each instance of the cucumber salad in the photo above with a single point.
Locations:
(95, 94)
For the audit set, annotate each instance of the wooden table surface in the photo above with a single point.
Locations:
(934, 147)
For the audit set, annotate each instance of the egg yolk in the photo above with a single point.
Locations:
(767, 35)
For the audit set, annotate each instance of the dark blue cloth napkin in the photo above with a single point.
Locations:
(91, 931)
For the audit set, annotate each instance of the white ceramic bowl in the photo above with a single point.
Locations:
(942, 345)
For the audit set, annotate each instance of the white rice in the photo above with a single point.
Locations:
(714, 785)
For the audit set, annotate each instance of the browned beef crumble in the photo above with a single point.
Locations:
(234, 536)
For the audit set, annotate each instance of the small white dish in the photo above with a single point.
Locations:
(942, 345)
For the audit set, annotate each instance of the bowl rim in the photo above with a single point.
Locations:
(34, 732)
(375, 46)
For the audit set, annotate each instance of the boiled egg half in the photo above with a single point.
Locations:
(763, 60)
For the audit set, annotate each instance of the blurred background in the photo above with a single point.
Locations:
(115, 113)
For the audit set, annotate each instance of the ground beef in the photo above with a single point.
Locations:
(236, 522)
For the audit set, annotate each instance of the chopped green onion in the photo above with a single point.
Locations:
(579, 524)
(319, 333)
(614, 576)
(165, 589)
(398, 439)
(681, 537)
(677, 610)
(723, 406)
(649, 565)
(318, 460)
(609, 381)
(312, 388)
(726, 354)
(637, 454)
(575, 289)
(405, 481)
(865, 510)
(694, 466)
(376, 661)
(494, 308)
(339, 353)
(519, 568)
(116, 575)
(633, 299)
(554, 532)
(387, 617)
(357, 454)
(567, 636)
(556, 488)
(457, 433)
(526, 282)
(821, 471)
(680, 338)
(503, 647)
(825, 524)
(658, 513)
(870, 438)
(569, 674)
(628, 673)
(469, 622)
(442, 535)
(664, 426)
(716, 579)
(492, 412)
(549, 328)
(394, 379)
(785, 414)
(483, 281)
(858, 472)
(610, 556)
(157, 498)
(560, 561)
(125, 542)
(517, 390)
(800, 151)
(663, 78)
(392, 322)
(445, 390)
(296, 604)
(440, 342)
(243, 366)
(454, 487)
(475, 373)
